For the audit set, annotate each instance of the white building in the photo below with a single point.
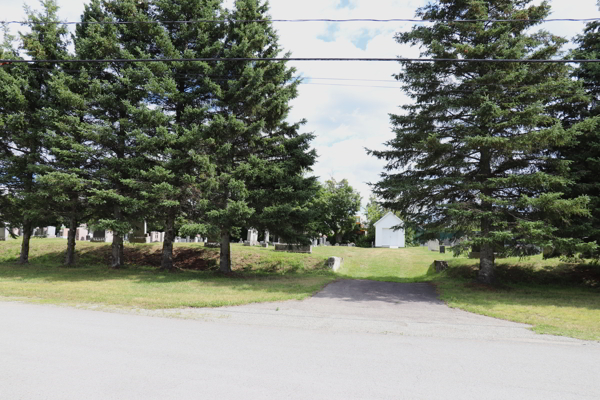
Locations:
(385, 235)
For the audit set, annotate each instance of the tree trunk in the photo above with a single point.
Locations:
(167, 250)
(486, 256)
(225, 256)
(121, 253)
(117, 251)
(70, 258)
(486, 265)
(24, 258)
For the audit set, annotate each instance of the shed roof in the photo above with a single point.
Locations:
(386, 216)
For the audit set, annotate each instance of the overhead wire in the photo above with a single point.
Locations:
(304, 20)
(321, 59)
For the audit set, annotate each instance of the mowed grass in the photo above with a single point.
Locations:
(260, 275)
(413, 264)
(554, 297)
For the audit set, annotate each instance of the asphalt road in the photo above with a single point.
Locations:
(354, 340)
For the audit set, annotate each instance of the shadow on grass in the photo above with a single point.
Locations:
(584, 275)
(564, 285)
(288, 283)
(271, 274)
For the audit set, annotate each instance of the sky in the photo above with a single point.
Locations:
(346, 104)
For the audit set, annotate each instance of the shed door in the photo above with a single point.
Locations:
(387, 237)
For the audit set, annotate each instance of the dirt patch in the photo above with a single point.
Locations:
(183, 257)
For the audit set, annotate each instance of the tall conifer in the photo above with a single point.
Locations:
(260, 159)
(118, 106)
(24, 121)
(472, 151)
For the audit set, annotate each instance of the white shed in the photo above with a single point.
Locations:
(385, 235)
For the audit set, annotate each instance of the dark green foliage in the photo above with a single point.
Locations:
(259, 158)
(24, 120)
(472, 153)
(584, 155)
(119, 111)
(338, 204)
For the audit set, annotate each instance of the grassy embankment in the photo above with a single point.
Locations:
(260, 275)
(554, 297)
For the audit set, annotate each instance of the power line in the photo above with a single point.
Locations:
(217, 21)
(217, 59)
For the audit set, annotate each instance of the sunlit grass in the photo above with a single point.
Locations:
(260, 275)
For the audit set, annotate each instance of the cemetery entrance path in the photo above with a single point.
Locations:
(356, 339)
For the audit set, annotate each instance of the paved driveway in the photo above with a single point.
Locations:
(354, 340)
(371, 307)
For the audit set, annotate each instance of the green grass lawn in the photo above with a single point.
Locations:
(260, 275)
(555, 297)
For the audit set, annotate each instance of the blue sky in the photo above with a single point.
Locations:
(347, 105)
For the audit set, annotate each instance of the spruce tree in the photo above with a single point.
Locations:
(24, 121)
(584, 154)
(177, 180)
(119, 105)
(260, 160)
(473, 150)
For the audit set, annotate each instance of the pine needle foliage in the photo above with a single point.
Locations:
(472, 150)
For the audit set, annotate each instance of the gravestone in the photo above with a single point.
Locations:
(51, 231)
(212, 244)
(321, 241)
(156, 237)
(241, 241)
(81, 233)
(4, 234)
(440, 266)
(98, 236)
(293, 248)
(315, 242)
(252, 237)
(266, 236)
(265, 244)
(442, 249)
(433, 245)
(334, 263)
(327, 244)
(139, 234)
(337, 244)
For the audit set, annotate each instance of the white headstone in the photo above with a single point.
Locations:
(51, 231)
(266, 236)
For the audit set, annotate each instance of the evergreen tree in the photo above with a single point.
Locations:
(584, 154)
(66, 184)
(474, 146)
(24, 121)
(119, 105)
(260, 160)
(178, 179)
